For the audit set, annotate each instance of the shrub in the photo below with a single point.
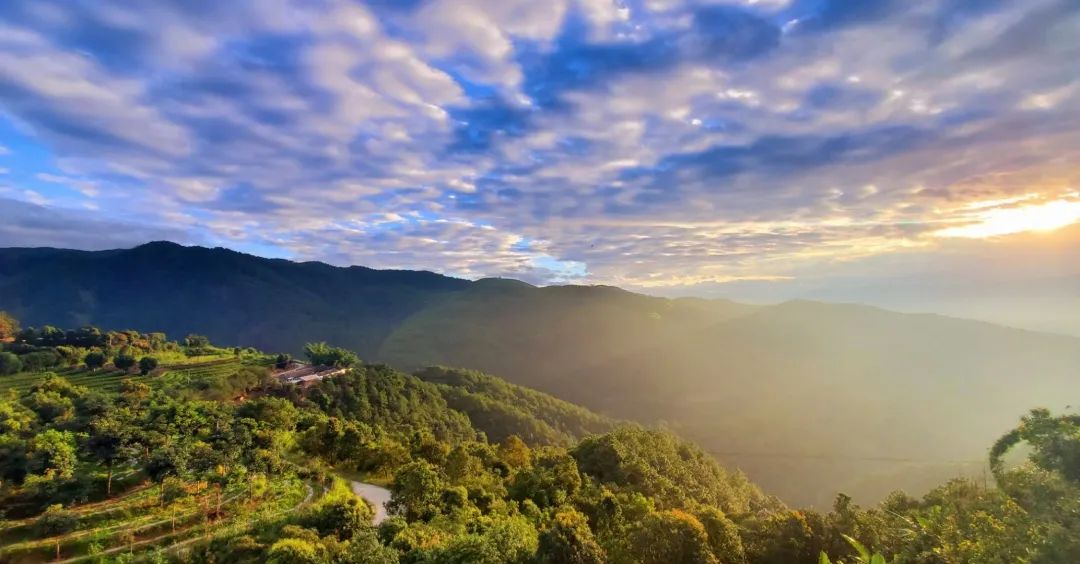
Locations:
(282, 361)
(40, 360)
(94, 360)
(123, 362)
(56, 521)
(147, 364)
(9, 363)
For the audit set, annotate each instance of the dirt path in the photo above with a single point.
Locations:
(378, 496)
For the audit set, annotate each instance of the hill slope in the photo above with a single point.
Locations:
(231, 297)
(845, 397)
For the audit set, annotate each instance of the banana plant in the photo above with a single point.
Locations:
(864, 555)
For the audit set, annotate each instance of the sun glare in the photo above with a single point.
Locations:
(1006, 221)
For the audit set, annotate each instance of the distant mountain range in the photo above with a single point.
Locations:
(846, 397)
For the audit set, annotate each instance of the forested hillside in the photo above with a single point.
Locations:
(844, 397)
(231, 297)
(220, 460)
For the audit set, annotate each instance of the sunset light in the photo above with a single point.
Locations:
(540, 282)
(1005, 221)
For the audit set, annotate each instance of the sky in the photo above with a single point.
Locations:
(921, 156)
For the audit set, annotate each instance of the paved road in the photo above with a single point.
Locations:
(378, 496)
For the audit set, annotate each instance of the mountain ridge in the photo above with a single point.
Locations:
(165, 244)
(737, 378)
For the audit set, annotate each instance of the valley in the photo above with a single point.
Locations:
(850, 398)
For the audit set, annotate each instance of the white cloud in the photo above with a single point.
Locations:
(347, 133)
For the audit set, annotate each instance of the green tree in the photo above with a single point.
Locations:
(568, 540)
(197, 342)
(38, 361)
(671, 536)
(296, 551)
(70, 356)
(1055, 443)
(779, 538)
(166, 462)
(51, 336)
(123, 362)
(147, 364)
(325, 355)
(15, 418)
(342, 518)
(551, 481)
(415, 491)
(278, 413)
(365, 548)
(515, 452)
(109, 442)
(51, 405)
(12, 459)
(282, 361)
(9, 363)
(724, 540)
(94, 360)
(52, 453)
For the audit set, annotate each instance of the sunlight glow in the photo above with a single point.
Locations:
(1005, 221)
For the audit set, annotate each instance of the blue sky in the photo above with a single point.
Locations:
(769, 149)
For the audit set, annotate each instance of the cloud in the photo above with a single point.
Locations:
(25, 224)
(655, 144)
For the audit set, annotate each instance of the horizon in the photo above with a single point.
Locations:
(760, 151)
(646, 292)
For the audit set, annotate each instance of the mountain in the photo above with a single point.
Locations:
(809, 398)
(231, 297)
(846, 397)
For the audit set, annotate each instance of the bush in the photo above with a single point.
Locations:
(9, 363)
(147, 364)
(282, 361)
(56, 521)
(94, 360)
(68, 355)
(38, 361)
(123, 362)
(325, 355)
(341, 517)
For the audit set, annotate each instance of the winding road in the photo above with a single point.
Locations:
(378, 497)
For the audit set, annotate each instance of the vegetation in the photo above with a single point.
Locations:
(9, 326)
(707, 368)
(325, 355)
(216, 460)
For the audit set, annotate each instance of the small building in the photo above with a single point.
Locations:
(305, 375)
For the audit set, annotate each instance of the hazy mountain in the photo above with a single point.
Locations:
(843, 397)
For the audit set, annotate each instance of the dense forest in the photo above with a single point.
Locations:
(208, 457)
(857, 399)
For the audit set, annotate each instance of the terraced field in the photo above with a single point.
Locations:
(108, 380)
(138, 523)
(206, 369)
(105, 380)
